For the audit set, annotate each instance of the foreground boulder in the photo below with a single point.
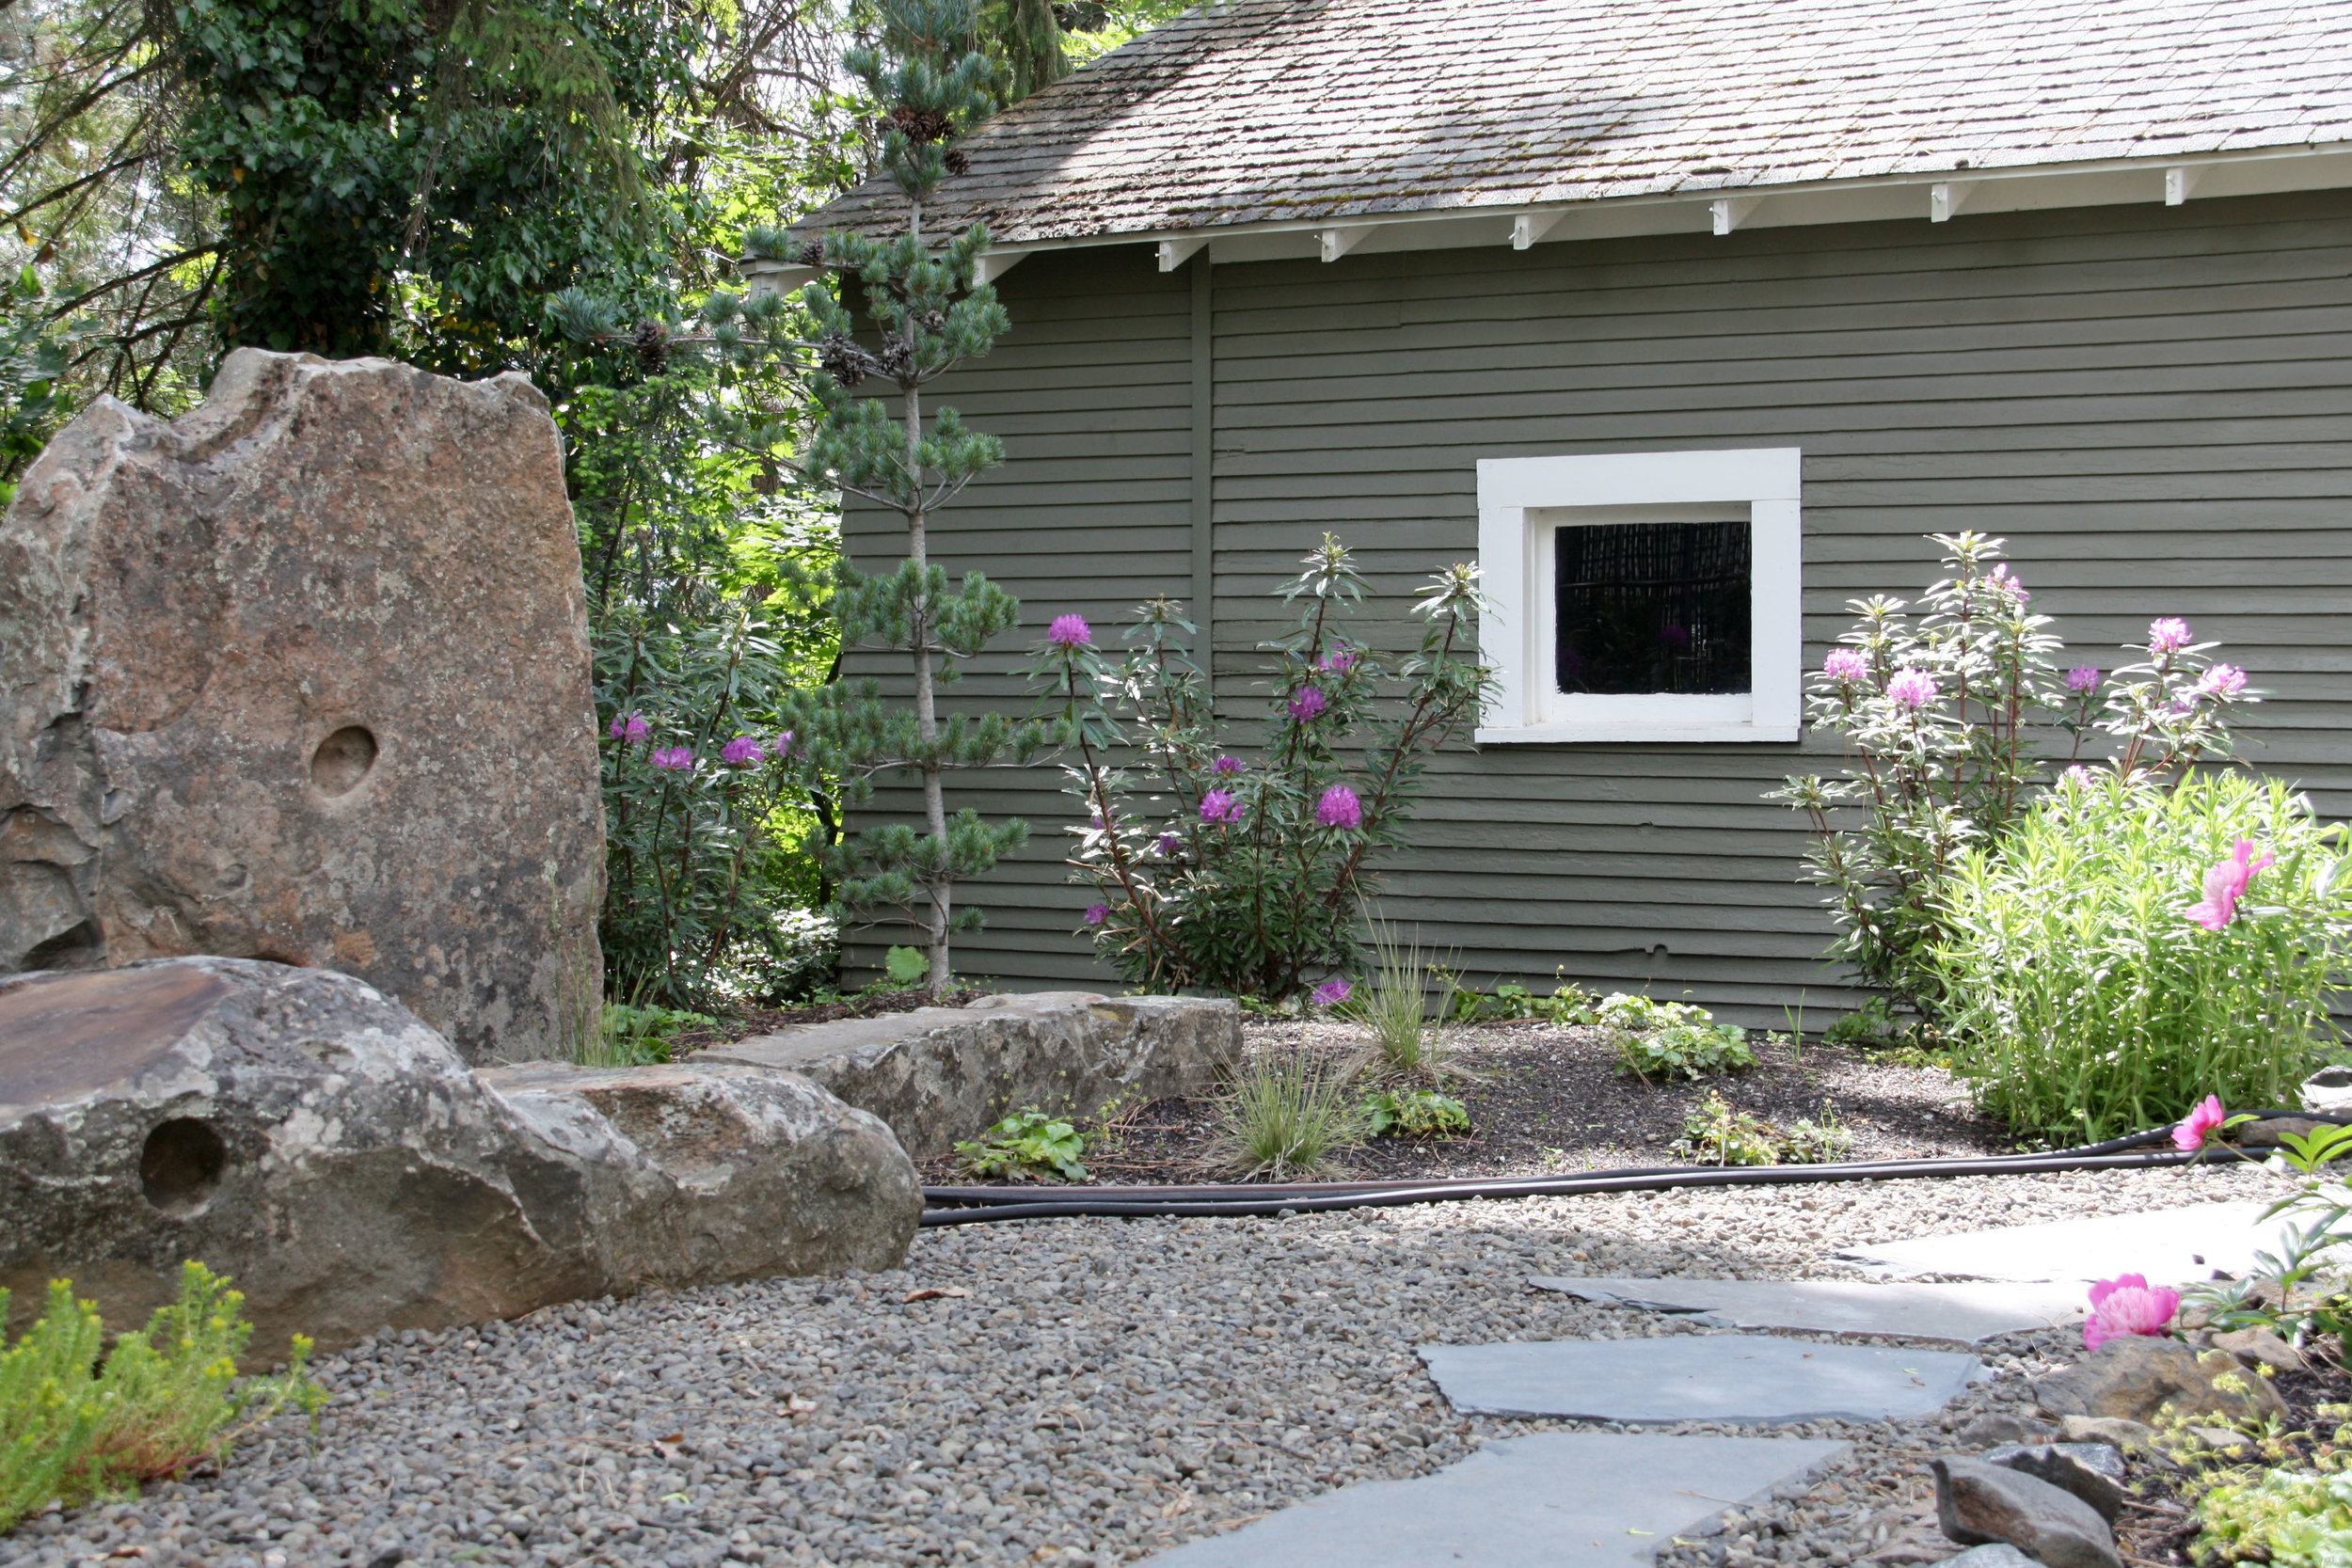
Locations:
(1979, 1504)
(2138, 1377)
(304, 675)
(940, 1074)
(312, 1139)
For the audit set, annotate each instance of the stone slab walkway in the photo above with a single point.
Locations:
(2167, 1246)
(1570, 1500)
(1964, 1314)
(1698, 1377)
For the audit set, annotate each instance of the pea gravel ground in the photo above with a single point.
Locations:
(1074, 1392)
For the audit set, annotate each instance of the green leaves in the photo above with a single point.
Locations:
(1027, 1144)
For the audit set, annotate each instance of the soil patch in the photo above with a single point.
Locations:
(1546, 1099)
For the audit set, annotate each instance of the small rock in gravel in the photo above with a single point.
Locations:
(1998, 1554)
(1987, 1431)
(2092, 1471)
(2261, 1347)
(2131, 1436)
(1979, 1504)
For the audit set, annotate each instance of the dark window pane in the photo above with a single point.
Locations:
(1652, 607)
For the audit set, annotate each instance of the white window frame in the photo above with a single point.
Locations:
(1522, 499)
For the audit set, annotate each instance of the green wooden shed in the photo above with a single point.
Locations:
(1459, 280)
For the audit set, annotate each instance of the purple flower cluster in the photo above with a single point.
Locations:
(742, 748)
(2083, 679)
(1340, 660)
(1307, 703)
(1097, 913)
(1221, 805)
(1332, 992)
(1846, 665)
(1912, 689)
(1069, 631)
(630, 729)
(2007, 582)
(2168, 635)
(1223, 765)
(1169, 842)
(1339, 808)
(2222, 680)
(675, 758)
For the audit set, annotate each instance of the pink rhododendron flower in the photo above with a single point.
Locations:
(1097, 913)
(2083, 679)
(1339, 808)
(781, 747)
(1846, 664)
(2203, 1120)
(1069, 631)
(1307, 702)
(1169, 842)
(2007, 582)
(1913, 688)
(2225, 885)
(2078, 774)
(631, 728)
(1226, 765)
(2128, 1305)
(1333, 991)
(1221, 805)
(742, 748)
(1340, 660)
(2168, 635)
(677, 758)
(2222, 680)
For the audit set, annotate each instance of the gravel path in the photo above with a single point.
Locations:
(1080, 1391)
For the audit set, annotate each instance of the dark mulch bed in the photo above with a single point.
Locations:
(2157, 1529)
(1545, 1099)
(767, 1021)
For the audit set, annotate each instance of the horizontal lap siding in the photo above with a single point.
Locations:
(2150, 405)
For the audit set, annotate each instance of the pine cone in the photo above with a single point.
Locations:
(920, 125)
(840, 357)
(651, 342)
(957, 163)
(813, 254)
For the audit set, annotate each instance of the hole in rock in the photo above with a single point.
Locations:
(182, 1165)
(76, 948)
(342, 760)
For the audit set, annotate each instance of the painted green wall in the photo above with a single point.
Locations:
(2152, 404)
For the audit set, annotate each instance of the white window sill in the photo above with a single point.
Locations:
(1632, 730)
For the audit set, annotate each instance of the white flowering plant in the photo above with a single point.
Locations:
(1956, 717)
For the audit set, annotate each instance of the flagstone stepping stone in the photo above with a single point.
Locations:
(2167, 1246)
(1698, 1377)
(1563, 1499)
(1958, 1314)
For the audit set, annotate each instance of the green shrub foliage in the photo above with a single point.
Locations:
(166, 1398)
(1242, 874)
(1027, 1144)
(2088, 999)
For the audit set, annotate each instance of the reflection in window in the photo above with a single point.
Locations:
(1652, 607)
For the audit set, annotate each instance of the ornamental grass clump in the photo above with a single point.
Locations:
(1393, 1004)
(2132, 948)
(166, 1399)
(1286, 1117)
(1219, 866)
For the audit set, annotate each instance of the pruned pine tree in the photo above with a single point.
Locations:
(926, 316)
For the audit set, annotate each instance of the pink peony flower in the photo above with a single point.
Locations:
(1307, 702)
(1912, 689)
(2222, 680)
(1097, 913)
(2168, 635)
(1069, 631)
(742, 748)
(2203, 1120)
(631, 730)
(675, 758)
(1226, 765)
(1339, 808)
(2225, 885)
(1847, 665)
(2083, 679)
(2128, 1305)
(1332, 992)
(1221, 805)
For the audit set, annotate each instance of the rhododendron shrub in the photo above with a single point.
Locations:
(1956, 718)
(2094, 990)
(1237, 868)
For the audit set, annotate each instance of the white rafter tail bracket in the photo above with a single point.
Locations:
(1528, 228)
(2179, 180)
(990, 265)
(1947, 196)
(1176, 252)
(1339, 242)
(1732, 210)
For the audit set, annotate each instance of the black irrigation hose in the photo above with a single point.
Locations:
(986, 1205)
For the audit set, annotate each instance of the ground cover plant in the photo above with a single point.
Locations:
(162, 1401)
(2094, 991)
(1413, 1113)
(1944, 708)
(1717, 1135)
(1668, 1039)
(1240, 868)
(1027, 1144)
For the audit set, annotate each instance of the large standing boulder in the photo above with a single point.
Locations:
(304, 675)
(300, 1132)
